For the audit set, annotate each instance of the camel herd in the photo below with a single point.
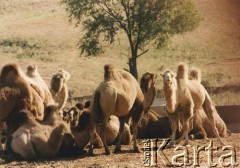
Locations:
(38, 126)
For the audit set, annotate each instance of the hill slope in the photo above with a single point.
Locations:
(38, 31)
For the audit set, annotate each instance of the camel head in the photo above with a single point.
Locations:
(51, 113)
(168, 77)
(26, 116)
(73, 115)
(59, 79)
(147, 84)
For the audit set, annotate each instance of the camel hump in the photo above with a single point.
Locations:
(108, 71)
(195, 74)
(9, 71)
(182, 71)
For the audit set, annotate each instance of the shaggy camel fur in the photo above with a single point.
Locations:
(81, 131)
(59, 87)
(120, 95)
(40, 84)
(46, 139)
(16, 93)
(185, 98)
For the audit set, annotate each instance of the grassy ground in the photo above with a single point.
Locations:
(38, 32)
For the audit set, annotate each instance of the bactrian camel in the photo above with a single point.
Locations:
(120, 94)
(184, 98)
(17, 93)
(42, 139)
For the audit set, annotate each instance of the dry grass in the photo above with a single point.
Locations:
(213, 46)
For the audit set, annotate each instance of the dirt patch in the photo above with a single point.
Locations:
(129, 159)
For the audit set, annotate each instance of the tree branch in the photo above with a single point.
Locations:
(144, 52)
(108, 10)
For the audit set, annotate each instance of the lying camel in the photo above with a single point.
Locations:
(16, 93)
(42, 139)
(119, 94)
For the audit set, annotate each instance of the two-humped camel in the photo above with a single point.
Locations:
(120, 95)
(17, 92)
(42, 139)
(184, 98)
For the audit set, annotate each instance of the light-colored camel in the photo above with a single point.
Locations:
(120, 94)
(184, 98)
(17, 93)
(202, 127)
(59, 88)
(46, 139)
(81, 131)
(38, 83)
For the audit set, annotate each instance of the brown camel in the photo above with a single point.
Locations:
(16, 93)
(46, 139)
(184, 98)
(120, 94)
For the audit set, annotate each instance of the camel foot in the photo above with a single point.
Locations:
(118, 150)
(90, 152)
(136, 150)
(107, 152)
(170, 146)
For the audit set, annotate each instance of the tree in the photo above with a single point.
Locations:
(143, 22)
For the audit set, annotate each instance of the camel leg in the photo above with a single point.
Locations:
(92, 134)
(134, 132)
(121, 130)
(103, 135)
(185, 133)
(210, 110)
(1, 129)
(173, 119)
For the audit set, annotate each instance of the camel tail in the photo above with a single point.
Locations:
(108, 71)
(195, 74)
(97, 109)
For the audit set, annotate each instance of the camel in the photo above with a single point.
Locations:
(152, 125)
(184, 98)
(38, 82)
(81, 131)
(120, 94)
(42, 139)
(16, 93)
(59, 88)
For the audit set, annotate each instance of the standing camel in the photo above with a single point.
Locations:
(184, 98)
(120, 94)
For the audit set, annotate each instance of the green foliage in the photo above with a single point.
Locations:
(142, 21)
(24, 48)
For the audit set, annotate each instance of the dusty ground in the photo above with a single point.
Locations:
(129, 159)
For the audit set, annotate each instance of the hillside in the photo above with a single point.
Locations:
(38, 32)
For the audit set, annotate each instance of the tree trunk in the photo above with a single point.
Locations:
(133, 66)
